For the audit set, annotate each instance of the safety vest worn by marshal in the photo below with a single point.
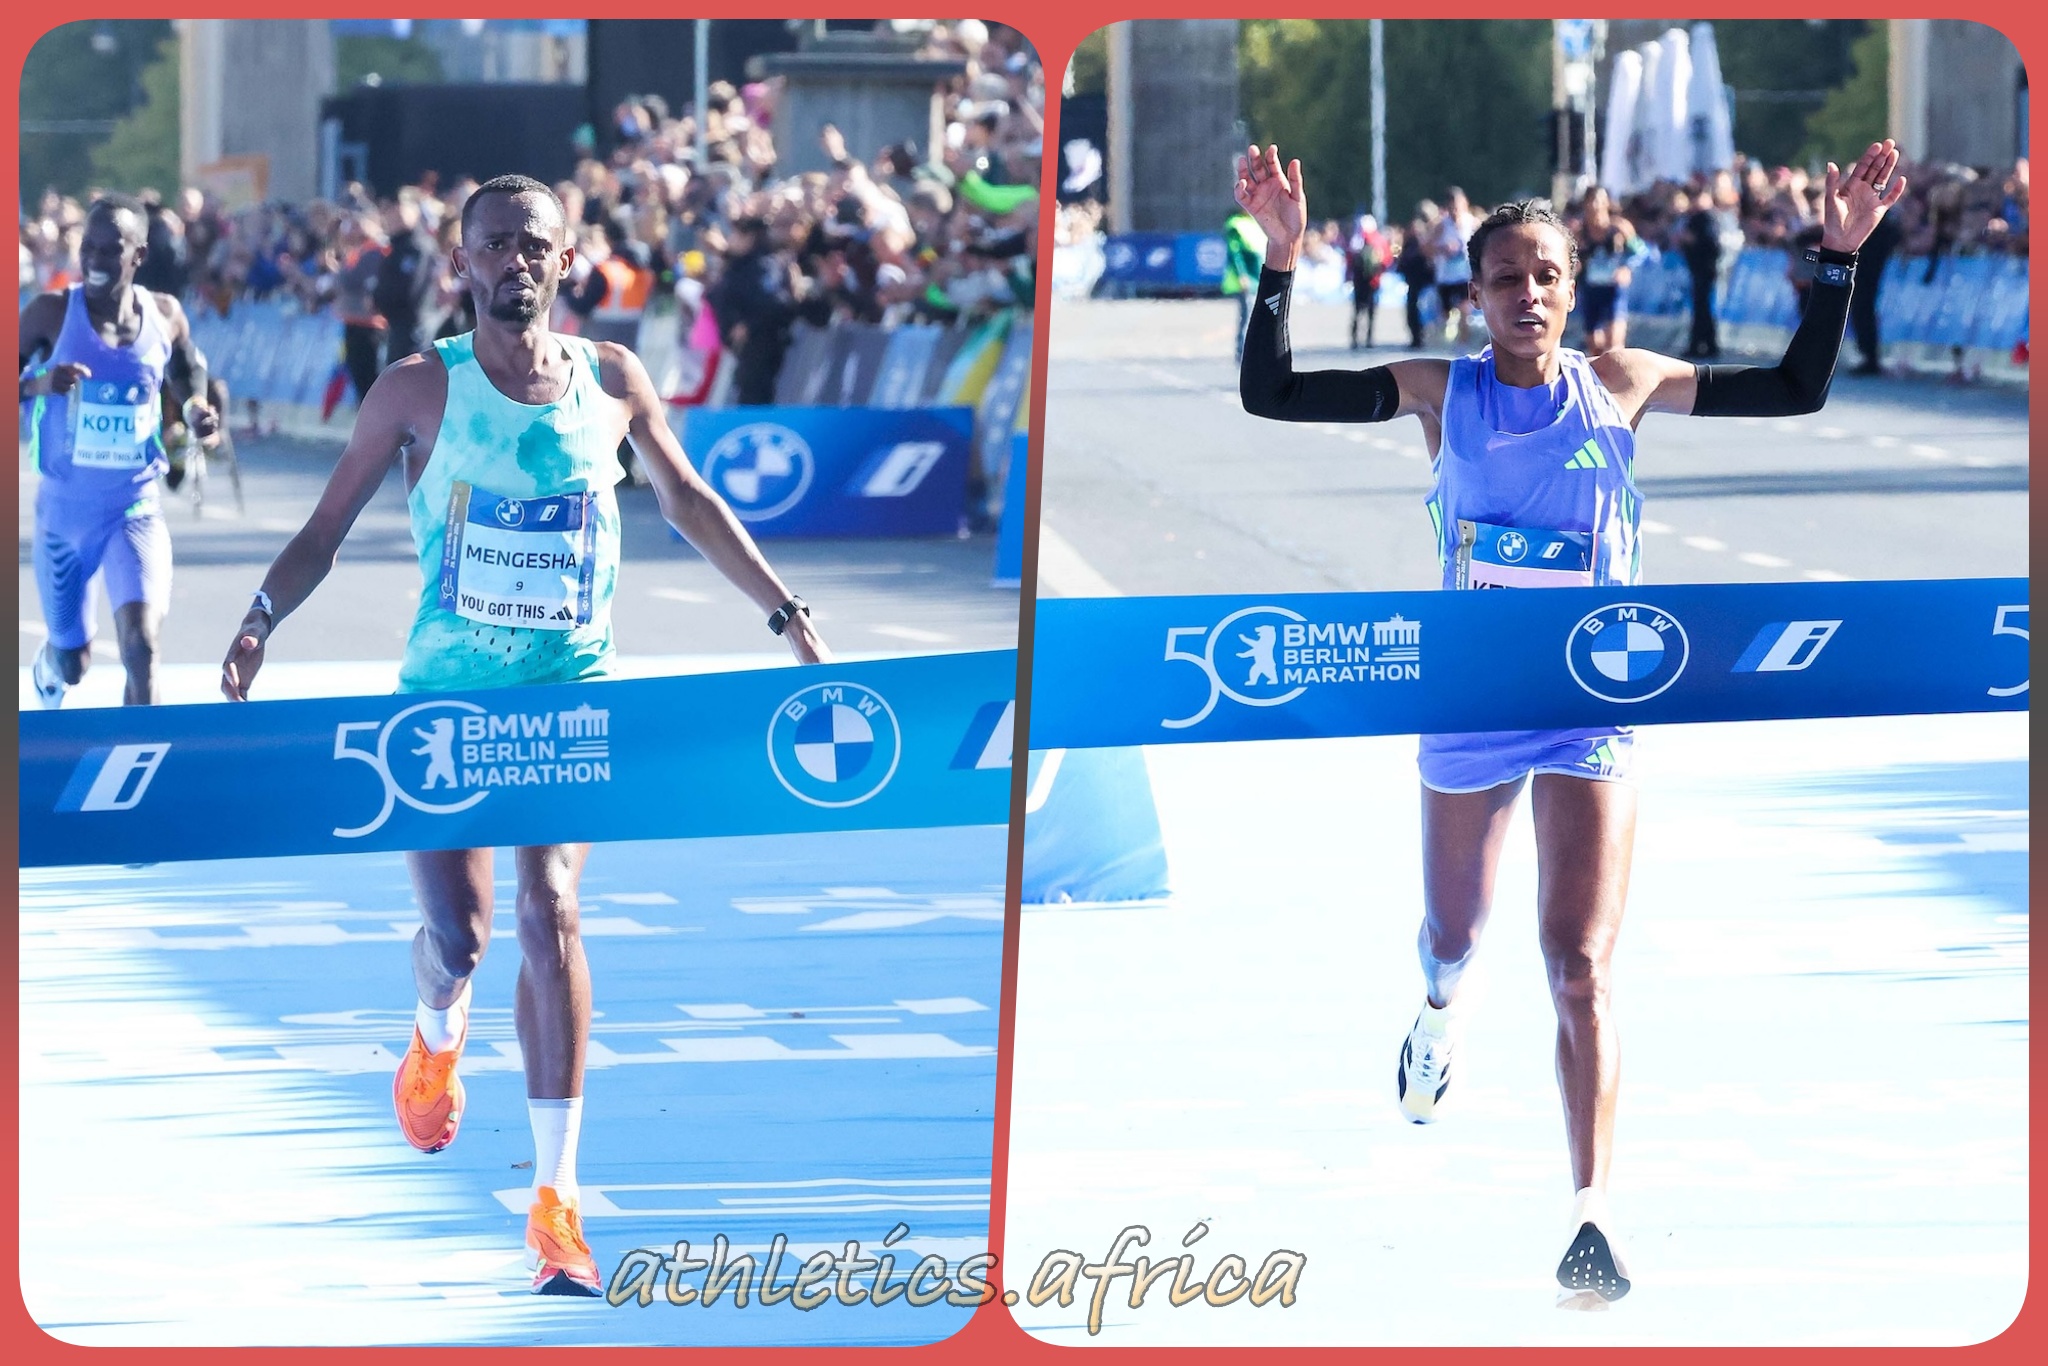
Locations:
(1244, 253)
(517, 526)
(627, 290)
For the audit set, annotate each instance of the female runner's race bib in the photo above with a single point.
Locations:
(1516, 557)
(519, 561)
(112, 425)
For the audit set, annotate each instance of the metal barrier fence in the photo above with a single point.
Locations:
(275, 354)
(1967, 301)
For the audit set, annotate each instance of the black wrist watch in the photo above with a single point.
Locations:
(1832, 267)
(780, 618)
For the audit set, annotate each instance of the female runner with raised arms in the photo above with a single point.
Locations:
(1529, 438)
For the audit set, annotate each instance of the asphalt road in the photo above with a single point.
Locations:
(1157, 481)
(868, 596)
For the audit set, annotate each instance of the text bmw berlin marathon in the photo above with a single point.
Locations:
(1287, 654)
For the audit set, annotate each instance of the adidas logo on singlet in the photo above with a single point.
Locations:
(1587, 457)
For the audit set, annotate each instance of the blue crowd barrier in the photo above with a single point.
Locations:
(996, 417)
(271, 353)
(836, 471)
(886, 744)
(1968, 301)
(1237, 668)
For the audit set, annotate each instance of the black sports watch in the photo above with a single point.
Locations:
(1832, 267)
(779, 619)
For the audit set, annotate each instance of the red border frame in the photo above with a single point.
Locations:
(1054, 27)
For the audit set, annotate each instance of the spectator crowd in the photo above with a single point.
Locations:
(1949, 210)
(905, 233)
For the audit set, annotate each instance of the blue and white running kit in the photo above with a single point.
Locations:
(99, 451)
(1533, 490)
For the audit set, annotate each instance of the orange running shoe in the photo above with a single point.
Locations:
(428, 1095)
(561, 1260)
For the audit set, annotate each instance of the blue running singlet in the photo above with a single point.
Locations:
(1534, 489)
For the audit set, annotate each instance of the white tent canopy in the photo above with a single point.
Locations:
(1617, 146)
(1713, 136)
(1667, 113)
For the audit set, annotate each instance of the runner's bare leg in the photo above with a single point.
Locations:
(1585, 838)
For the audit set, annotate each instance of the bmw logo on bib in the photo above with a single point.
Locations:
(762, 470)
(1628, 652)
(509, 512)
(834, 744)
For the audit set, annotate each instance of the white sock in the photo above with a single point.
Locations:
(1590, 1207)
(556, 1125)
(1436, 1020)
(441, 1030)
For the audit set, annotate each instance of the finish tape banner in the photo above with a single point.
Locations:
(1146, 671)
(836, 471)
(884, 744)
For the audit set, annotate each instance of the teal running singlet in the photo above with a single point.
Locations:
(517, 528)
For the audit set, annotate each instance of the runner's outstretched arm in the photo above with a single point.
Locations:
(1851, 208)
(691, 506)
(1267, 382)
(1269, 386)
(404, 398)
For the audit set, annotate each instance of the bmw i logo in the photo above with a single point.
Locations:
(834, 744)
(762, 470)
(1628, 652)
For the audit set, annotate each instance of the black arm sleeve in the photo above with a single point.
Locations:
(1269, 385)
(1798, 383)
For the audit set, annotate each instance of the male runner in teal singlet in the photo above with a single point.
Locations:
(520, 421)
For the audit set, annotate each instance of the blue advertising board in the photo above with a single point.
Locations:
(836, 471)
(1140, 258)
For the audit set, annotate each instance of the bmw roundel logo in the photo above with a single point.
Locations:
(1628, 652)
(762, 470)
(834, 744)
(1513, 545)
(509, 512)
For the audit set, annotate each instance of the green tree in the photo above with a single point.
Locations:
(1858, 111)
(1089, 66)
(142, 151)
(393, 61)
(1466, 101)
(77, 82)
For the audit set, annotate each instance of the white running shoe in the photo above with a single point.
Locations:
(1424, 1073)
(1593, 1272)
(49, 684)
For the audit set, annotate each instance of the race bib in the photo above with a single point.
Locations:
(1517, 557)
(519, 561)
(113, 425)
